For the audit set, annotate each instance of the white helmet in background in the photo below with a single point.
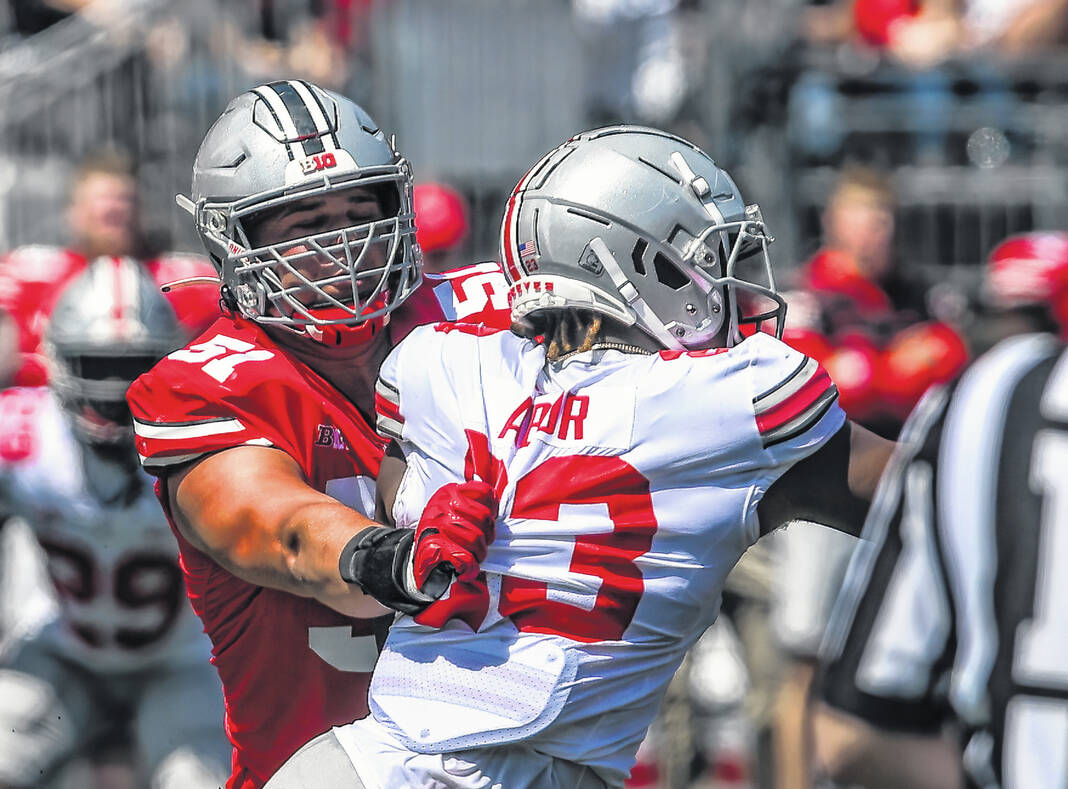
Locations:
(110, 325)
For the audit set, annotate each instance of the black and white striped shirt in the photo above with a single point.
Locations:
(953, 608)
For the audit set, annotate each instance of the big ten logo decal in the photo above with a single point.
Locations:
(220, 355)
(330, 436)
(320, 161)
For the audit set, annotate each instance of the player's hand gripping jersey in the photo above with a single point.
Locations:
(233, 386)
(628, 490)
(111, 555)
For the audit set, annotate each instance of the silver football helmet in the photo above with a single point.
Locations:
(110, 324)
(281, 148)
(642, 226)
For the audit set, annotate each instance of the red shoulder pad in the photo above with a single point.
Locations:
(196, 305)
(672, 355)
(476, 329)
(208, 395)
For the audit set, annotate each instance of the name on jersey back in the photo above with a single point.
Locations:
(601, 416)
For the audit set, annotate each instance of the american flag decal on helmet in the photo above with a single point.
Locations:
(527, 251)
(796, 403)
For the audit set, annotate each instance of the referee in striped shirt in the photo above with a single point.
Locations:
(947, 656)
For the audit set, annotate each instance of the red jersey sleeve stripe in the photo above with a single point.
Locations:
(788, 385)
(787, 409)
(387, 409)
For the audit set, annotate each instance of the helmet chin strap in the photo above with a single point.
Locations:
(347, 336)
(646, 318)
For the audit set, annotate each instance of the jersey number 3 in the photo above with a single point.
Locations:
(574, 480)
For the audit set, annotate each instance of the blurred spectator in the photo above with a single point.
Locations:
(854, 274)
(859, 312)
(441, 223)
(945, 28)
(922, 33)
(324, 41)
(103, 221)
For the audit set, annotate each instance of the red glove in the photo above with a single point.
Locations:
(455, 531)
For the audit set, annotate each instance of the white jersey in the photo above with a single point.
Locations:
(628, 489)
(122, 602)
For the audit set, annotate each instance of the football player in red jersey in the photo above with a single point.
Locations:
(258, 429)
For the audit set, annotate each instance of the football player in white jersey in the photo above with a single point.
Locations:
(125, 648)
(640, 435)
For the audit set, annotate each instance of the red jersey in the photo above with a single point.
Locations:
(291, 667)
(33, 277)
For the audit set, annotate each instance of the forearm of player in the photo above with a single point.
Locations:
(852, 751)
(252, 511)
(868, 456)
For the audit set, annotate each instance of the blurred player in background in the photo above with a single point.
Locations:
(125, 657)
(103, 220)
(1025, 288)
(258, 430)
(638, 447)
(948, 615)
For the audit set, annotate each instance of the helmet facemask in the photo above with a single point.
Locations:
(732, 258)
(325, 282)
(275, 151)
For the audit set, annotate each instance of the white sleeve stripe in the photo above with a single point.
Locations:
(803, 421)
(390, 428)
(387, 391)
(788, 386)
(161, 461)
(194, 430)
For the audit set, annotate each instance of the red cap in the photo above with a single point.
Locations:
(440, 217)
